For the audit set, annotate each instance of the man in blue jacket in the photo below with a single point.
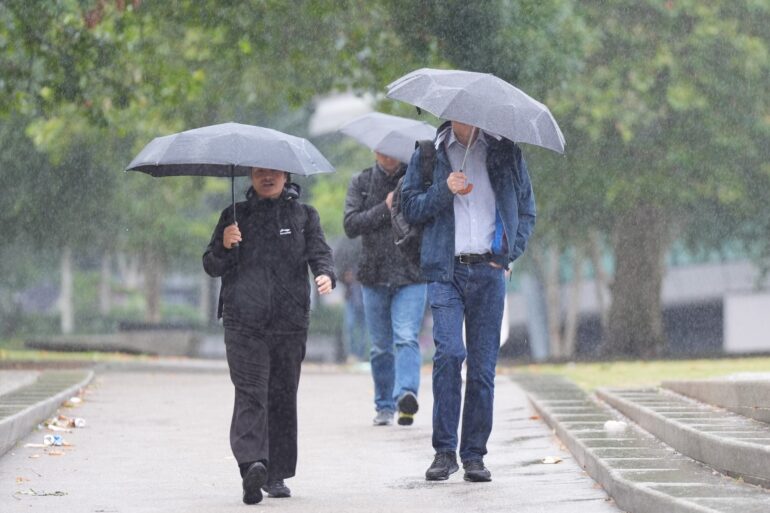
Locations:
(477, 220)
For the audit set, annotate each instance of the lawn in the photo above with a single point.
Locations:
(644, 373)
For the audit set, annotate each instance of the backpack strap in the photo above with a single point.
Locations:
(427, 161)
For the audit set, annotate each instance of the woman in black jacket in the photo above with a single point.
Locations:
(263, 260)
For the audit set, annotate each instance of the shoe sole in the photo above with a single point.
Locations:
(408, 404)
(477, 479)
(442, 477)
(278, 495)
(253, 481)
(405, 419)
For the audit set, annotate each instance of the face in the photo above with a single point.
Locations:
(389, 164)
(463, 132)
(268, 183)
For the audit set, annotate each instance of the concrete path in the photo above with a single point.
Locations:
(158, 442)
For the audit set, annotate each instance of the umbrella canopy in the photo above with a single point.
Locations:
(482, 100)
(229, 149)
(393, 136)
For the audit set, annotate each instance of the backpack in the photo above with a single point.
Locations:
(407, 236)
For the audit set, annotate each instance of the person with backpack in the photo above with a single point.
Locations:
(393, 290)
(263, 261)
(477, 214)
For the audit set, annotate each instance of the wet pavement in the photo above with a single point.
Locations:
(159, 442)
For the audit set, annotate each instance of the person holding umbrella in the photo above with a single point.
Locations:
(478, 213)
(261, 248)
(265, 305)
(393, 287)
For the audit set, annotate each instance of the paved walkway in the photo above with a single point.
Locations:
(158, 442)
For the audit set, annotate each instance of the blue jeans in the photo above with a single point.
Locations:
(394, 317)
(355, 338)
(476, 294)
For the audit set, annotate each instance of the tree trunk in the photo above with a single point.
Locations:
(105, 289)
(553, 301)
(208, 303)
(641, 239)
(66, 303)
(572, 316)
(600, 279)
(153, 281)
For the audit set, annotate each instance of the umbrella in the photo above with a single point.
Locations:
(482, 100)
(393, 136)
(229, 150)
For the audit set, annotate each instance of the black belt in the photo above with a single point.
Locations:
(473, 258)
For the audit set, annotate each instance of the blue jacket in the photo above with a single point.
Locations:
(434, 207)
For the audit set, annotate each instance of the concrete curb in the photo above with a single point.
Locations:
(675, 484)
(750, 398)
(18, 425)
(736, 457)
(627, 495)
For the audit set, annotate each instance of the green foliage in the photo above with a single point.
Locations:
(661, 102)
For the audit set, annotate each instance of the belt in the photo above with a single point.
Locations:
(473, 258)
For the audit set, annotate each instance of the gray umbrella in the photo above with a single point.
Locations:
(393, 136)
(482, 100)
(229, 150)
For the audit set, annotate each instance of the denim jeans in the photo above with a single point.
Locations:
(394, 317)
(355, 337)
(476, 294)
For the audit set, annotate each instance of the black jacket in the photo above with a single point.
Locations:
(367, 215)
(265, 282)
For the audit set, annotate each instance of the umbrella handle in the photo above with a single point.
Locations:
(232, 197)
(469, 187)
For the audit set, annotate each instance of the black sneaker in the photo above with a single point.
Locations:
(276, 489)
(476, 472)
(253, 480)
(444, 464)
(407, 407)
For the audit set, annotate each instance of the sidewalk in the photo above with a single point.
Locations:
(158, 442)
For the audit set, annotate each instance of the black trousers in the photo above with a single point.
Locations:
(265, 370)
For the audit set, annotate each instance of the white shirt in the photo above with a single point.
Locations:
(474, 212)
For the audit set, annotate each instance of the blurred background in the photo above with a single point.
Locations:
(653, 233)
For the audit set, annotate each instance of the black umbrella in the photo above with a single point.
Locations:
(229, 150)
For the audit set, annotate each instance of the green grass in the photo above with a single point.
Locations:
(28, 355)
(644, 373)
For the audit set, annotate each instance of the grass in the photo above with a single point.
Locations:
(13, 350)
(28, 355)
(644, 373)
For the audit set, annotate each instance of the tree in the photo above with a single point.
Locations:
(669, 115)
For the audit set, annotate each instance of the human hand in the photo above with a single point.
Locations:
(324, 284)
(231, 236)
(389, 199)
(458, 183)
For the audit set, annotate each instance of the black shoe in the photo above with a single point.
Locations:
(407, 407)
(476, 472)
(276, 489)
(255, 477)
(444, 463)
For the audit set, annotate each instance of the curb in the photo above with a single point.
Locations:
(626, 494)
(750, 398)
(732, 456)
(16, 426)
(635, 488)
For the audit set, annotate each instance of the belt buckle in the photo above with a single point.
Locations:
(465, 259)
